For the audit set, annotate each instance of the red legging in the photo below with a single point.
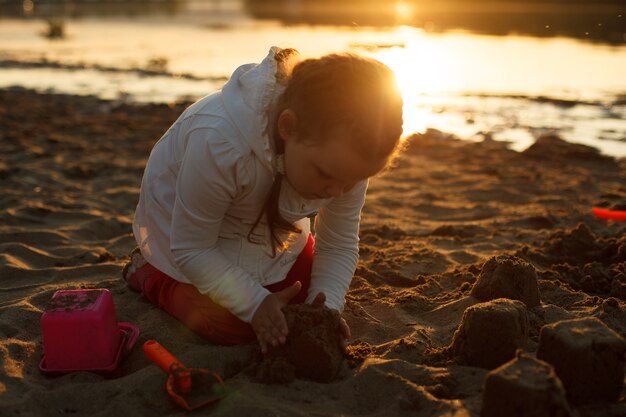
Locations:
(203, 316)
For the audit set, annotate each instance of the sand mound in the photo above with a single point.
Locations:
(583, 260)
(507, 277)
(490, 333)
(551, 147)
(587, 356)
(311, 351)
(524, 387)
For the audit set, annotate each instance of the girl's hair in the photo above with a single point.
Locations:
(335, 90)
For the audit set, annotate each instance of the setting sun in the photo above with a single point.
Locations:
(418, 68)
(421, 69)
(404, 10)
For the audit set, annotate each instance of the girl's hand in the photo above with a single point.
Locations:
(344, 333)
(269, 322)
(344, 329)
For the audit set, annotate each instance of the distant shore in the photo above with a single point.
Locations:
(586, 20)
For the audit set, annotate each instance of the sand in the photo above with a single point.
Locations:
(70, 173)
(311, 351)
(524, 387)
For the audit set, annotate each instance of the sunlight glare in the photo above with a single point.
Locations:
(421, 71)
(404, 10)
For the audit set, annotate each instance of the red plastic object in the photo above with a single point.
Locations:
(609, 214)
(190, 388)
(80, 333)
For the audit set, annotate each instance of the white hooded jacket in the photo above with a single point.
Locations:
(204, 185)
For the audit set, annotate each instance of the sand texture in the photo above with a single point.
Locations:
(70, 171)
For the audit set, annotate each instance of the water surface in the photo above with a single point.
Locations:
(473, 81)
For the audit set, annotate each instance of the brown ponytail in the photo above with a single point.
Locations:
(271, 209)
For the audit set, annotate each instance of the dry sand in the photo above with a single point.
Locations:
(70, 172)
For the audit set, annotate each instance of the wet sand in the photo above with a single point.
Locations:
(70, 173)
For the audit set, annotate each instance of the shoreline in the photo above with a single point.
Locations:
(471, 116)
(618, 97)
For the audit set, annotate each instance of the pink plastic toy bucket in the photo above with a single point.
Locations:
(80, 333)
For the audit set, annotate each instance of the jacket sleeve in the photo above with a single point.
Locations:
(337, 246)
(210, 176)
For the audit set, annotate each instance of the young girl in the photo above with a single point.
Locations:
(223, 220)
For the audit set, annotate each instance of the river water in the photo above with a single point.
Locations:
(470, 81)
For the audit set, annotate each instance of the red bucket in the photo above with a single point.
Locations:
(80, 333)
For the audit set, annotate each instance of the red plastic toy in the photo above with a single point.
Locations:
(609, 214)
(190, 388)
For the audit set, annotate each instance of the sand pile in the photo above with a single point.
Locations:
(524, 387)
(507, 277)
(449, 218)
(311, 351)
(588, 358)
(490, 333)
(583, 260)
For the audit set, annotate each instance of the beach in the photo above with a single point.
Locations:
(70, 174)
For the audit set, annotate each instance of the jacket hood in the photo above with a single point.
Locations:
(249, 97)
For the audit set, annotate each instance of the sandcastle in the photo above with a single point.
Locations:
(312, 349)
(507, 277)
(524, 387)
(587, 356)
(490, 333)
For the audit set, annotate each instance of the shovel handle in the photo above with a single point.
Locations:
(168, 363)
(161, 356)
(609, 214)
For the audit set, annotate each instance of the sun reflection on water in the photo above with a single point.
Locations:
(471, 85)
(457, 82)
(421, 70)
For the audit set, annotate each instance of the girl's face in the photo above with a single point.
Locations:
(323, 167)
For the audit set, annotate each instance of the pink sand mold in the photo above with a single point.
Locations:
(80, 333)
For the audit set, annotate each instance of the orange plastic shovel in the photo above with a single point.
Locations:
(191, 388)
(609, 214)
